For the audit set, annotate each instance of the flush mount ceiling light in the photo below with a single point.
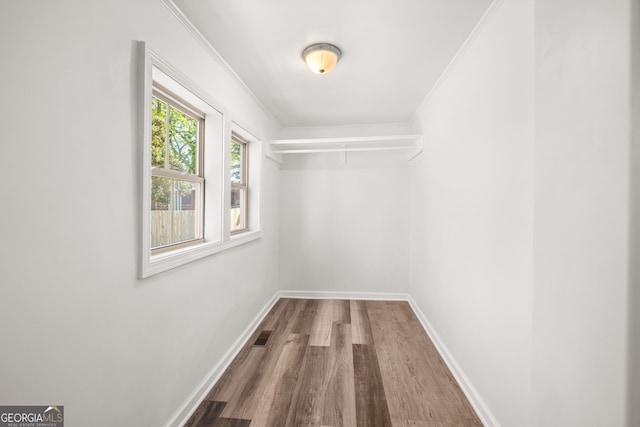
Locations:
(321, 57)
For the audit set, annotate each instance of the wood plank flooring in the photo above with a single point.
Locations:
(334, 363)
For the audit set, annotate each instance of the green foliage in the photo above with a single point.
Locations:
(160, 193)
(158, 132)
(236, 161)
(183, 141)
(181, 132)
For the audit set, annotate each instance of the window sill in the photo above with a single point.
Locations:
(169, 260)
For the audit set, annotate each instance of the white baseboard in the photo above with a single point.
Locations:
(184, 412)
(385, 296)
(481, 408)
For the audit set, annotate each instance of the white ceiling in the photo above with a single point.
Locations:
(393, 53)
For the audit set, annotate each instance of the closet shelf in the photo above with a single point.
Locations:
(347, 144)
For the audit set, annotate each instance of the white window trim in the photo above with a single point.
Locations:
(217, 234)
(254, 182)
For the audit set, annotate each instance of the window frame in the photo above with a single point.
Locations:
(219, 122)
(173, 101)
(243, 185)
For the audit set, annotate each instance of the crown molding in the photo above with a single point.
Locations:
(473, 35)
(208, 47)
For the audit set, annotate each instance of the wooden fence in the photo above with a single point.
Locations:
(172, 227)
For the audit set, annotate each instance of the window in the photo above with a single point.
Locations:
(177, 179)
(186, 176)
(239, 189)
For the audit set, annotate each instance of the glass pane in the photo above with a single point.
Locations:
(158, 132)
(238, 220)
(185, 197)
(160, 214)
(236, 162)
(183, 141)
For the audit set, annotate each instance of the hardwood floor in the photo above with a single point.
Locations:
(337, 363)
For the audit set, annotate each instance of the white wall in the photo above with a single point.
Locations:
(77, 328)
(633, 358)
(581, 210)
(472, 212)
(517, 256)
(547, 295)
(344, 225)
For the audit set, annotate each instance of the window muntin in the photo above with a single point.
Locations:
(239, 185)
(177, 180)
